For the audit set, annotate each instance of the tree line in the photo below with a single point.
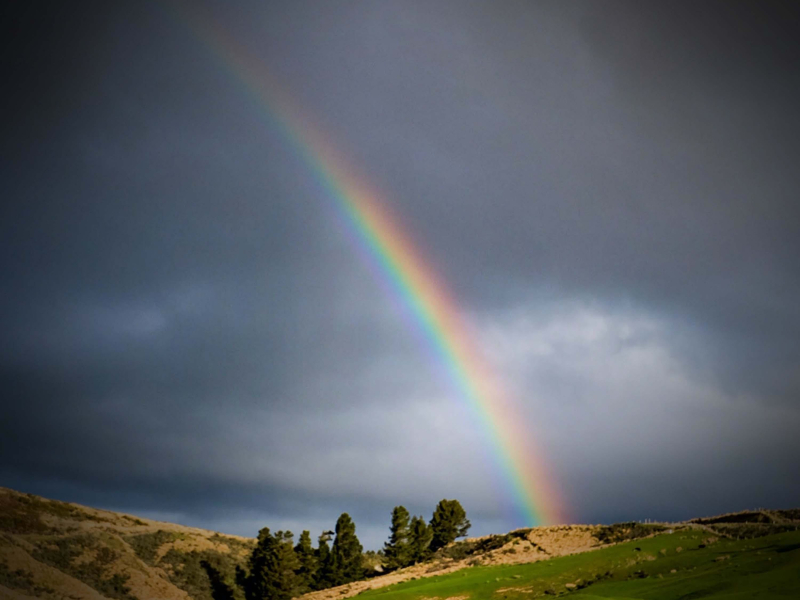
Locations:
(277, 569)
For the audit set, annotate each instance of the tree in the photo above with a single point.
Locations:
(448, 523)
(346, 552)
(308, 563)
(271, 568)
(373, 562)
(324, 577)
(396, 549)
(419, 540)
(220, 590)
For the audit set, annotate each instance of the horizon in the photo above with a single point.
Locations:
(269, 263)
(469, 536)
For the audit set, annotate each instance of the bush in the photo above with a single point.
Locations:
(146, 545)
(740, 517)
(793, 514)
(21, 580)
(461, 550)
(201, 574)
(62, 552)
(750, 530)
(621, 532)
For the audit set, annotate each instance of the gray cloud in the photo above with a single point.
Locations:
(607, 188)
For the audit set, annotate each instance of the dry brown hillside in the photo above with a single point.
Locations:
(51, 549)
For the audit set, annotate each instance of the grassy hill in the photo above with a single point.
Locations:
(51, 549)
(687, 563)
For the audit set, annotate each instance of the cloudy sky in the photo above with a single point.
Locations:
(608, 189)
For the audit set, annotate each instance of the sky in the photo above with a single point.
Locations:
(608, 190)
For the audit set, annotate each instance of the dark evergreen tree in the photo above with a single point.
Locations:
(346, 552)
(324, 577)
(396, 549)
(448, 523)
(220, 590)
(307, 571)
(373, 562)
(271, 568)
(419, 540)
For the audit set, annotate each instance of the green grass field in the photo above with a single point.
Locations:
(683, 565)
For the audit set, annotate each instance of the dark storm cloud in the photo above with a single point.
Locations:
(616, 150)
(609, 188)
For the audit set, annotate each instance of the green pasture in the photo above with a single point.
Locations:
(683, 565)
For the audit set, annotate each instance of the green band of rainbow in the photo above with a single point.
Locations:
(424, 295)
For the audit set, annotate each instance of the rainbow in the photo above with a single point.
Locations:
(422, 293)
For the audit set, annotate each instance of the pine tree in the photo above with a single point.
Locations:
(396, 549)
(346, 552)
(448, 523)
(419, 540)
(220, 588)
(308, 563)
(324, 577)
(272, 566)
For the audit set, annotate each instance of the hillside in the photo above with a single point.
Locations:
(678, 564)
(57, 550)
(51, 549)
(492, 555)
